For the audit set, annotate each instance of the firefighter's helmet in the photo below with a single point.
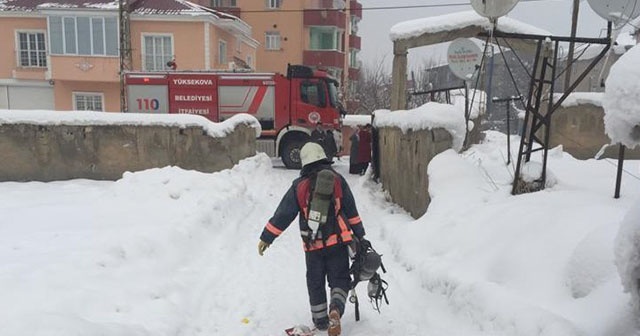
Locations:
(311, 152)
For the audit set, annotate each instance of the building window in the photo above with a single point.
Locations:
(354, 24)
(353, 59)
(87, 101)
(222, 52)
(32, 51)
(272, 41)
(274, 4)
(223, 3)
(325, 38)
(83, 35)
(157, 52)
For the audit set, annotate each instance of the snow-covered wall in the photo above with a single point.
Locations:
(49, 146)
(578, 125)
(409, 140)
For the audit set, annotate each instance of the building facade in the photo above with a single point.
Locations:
(317, 33)
(65, 55)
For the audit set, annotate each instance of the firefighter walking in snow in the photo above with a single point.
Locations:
(328, 221)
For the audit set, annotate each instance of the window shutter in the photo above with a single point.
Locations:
(55, 35)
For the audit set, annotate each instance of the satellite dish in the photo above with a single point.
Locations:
(616, 10)
(464, 58)
(494, 9)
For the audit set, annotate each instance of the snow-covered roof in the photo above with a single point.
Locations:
(622, 100)
(85, 118)
(140, 7)
(456, 21)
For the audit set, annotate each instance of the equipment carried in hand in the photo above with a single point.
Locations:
(364, 267)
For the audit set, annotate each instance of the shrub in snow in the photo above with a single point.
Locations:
(622, 100)
(627, 253)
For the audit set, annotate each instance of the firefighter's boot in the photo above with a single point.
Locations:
(334, 323)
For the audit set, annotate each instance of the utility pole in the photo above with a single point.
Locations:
(125, 48)
(574, 28)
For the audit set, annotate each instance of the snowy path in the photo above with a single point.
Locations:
(174, 252)
(170, 252)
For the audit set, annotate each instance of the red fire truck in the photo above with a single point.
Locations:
(288, 107)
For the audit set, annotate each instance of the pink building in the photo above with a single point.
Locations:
(65, 55)
(316, 33)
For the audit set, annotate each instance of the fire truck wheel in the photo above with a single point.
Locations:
(291, 153)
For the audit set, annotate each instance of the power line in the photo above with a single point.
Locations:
(459, 4)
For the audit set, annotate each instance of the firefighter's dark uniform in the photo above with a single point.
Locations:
(327, 256)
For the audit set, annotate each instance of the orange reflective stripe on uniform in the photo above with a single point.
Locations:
(318, 244)
(346, 236)
(354, 220)
(273, 229)
(342, 224)
(332, 240)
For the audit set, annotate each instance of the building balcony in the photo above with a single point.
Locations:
(326, 58)
(354, 74)
(325, 17)
(356, 8)
(355, 42)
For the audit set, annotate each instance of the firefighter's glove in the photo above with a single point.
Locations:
(262, 246)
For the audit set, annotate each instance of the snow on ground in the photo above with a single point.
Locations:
(174, 252)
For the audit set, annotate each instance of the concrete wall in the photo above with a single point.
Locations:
(104, 152)
(404, 158)
(580, 131)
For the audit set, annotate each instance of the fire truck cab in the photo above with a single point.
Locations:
(288, 107)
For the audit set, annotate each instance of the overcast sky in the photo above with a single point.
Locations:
(551, 15)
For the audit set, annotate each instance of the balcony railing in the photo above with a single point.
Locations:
(325, 17)
(356, 8)
(354, 73)
(355, 42)
(332, 58)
